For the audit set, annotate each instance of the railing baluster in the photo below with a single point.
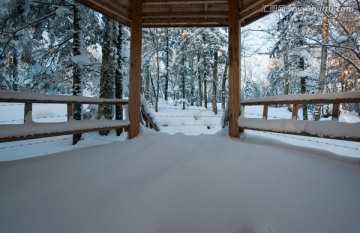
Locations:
(265, 111)
(28, 113)
(69, 111)
(335, 112)
(101, 111)
(126, 108)
(295, 111)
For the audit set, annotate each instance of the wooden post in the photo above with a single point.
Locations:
(135, 69)
(335, 112)
(234, 68)
(101, 111)
(28, 113)
(265, 111)
(295, 111)
(69, 111)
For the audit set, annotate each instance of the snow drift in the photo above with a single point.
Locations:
(162, 183)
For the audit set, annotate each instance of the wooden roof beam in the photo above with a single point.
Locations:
(186, 2)
(186, 8)
(107, 10)
(255, 11)
(208, 14)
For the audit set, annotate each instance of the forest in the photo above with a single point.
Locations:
(62, 47)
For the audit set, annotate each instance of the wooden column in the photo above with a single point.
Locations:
(234, 68)
(135, 69)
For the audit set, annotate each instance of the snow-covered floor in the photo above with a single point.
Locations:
(161, 183)
(260, 183)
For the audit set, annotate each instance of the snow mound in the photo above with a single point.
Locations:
(176, 183)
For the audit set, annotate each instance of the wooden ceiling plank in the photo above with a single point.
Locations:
(185, 20)
(118, 8)
(171, 2)
(187, 12)
(184, 25)
(255, 13)
(192, 8)
(222, 14)
(110, 13)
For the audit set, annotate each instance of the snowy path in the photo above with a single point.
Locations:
(178, 183)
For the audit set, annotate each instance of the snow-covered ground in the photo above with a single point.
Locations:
(171, 119)
(179, 183)
(260, 183)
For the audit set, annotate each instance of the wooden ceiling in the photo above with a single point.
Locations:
(186, 13)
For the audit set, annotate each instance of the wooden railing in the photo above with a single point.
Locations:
(31, 130)
(326, 129)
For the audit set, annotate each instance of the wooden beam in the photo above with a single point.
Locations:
(265, 111)
(254, 11)
(295, 111)
(184, 8)
(110, 12)
(198, 24)
(335, 112)
(69, 108)
(186, 14)
(135, 69)
(234, 68)
(328, 98)
(28, 113)
(186, 2)
(189, 21)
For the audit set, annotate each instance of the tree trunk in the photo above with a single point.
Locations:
(205, 91)
(322, 77)
(303, 87)
(76, 50)
(167, 65)
(147, 82)
(15, 71)
(223, 86)
(157, 74)
(192, 83)
(286, 78)
(157, 85)
(107, 68)
(183, 80)
(357, 88)
(119, 76)
(199, 81)
(205, 83)
(215, 73)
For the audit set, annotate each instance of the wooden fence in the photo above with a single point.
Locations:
(31, 130)
(326, 129)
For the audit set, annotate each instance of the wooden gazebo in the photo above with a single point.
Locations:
(188, 13)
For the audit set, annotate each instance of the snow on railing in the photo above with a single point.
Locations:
(327, 129)
(31, 129)
(147, 115)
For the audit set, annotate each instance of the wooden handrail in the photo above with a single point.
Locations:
(306, 128)
(327, 98)
(31, 130)
(26, 97)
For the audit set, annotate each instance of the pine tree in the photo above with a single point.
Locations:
(108, 68)
(324, 57)
(77, 87)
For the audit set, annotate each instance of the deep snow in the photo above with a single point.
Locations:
(175, 183)
(161, 183)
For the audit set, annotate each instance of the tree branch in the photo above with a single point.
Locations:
(23, 27)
